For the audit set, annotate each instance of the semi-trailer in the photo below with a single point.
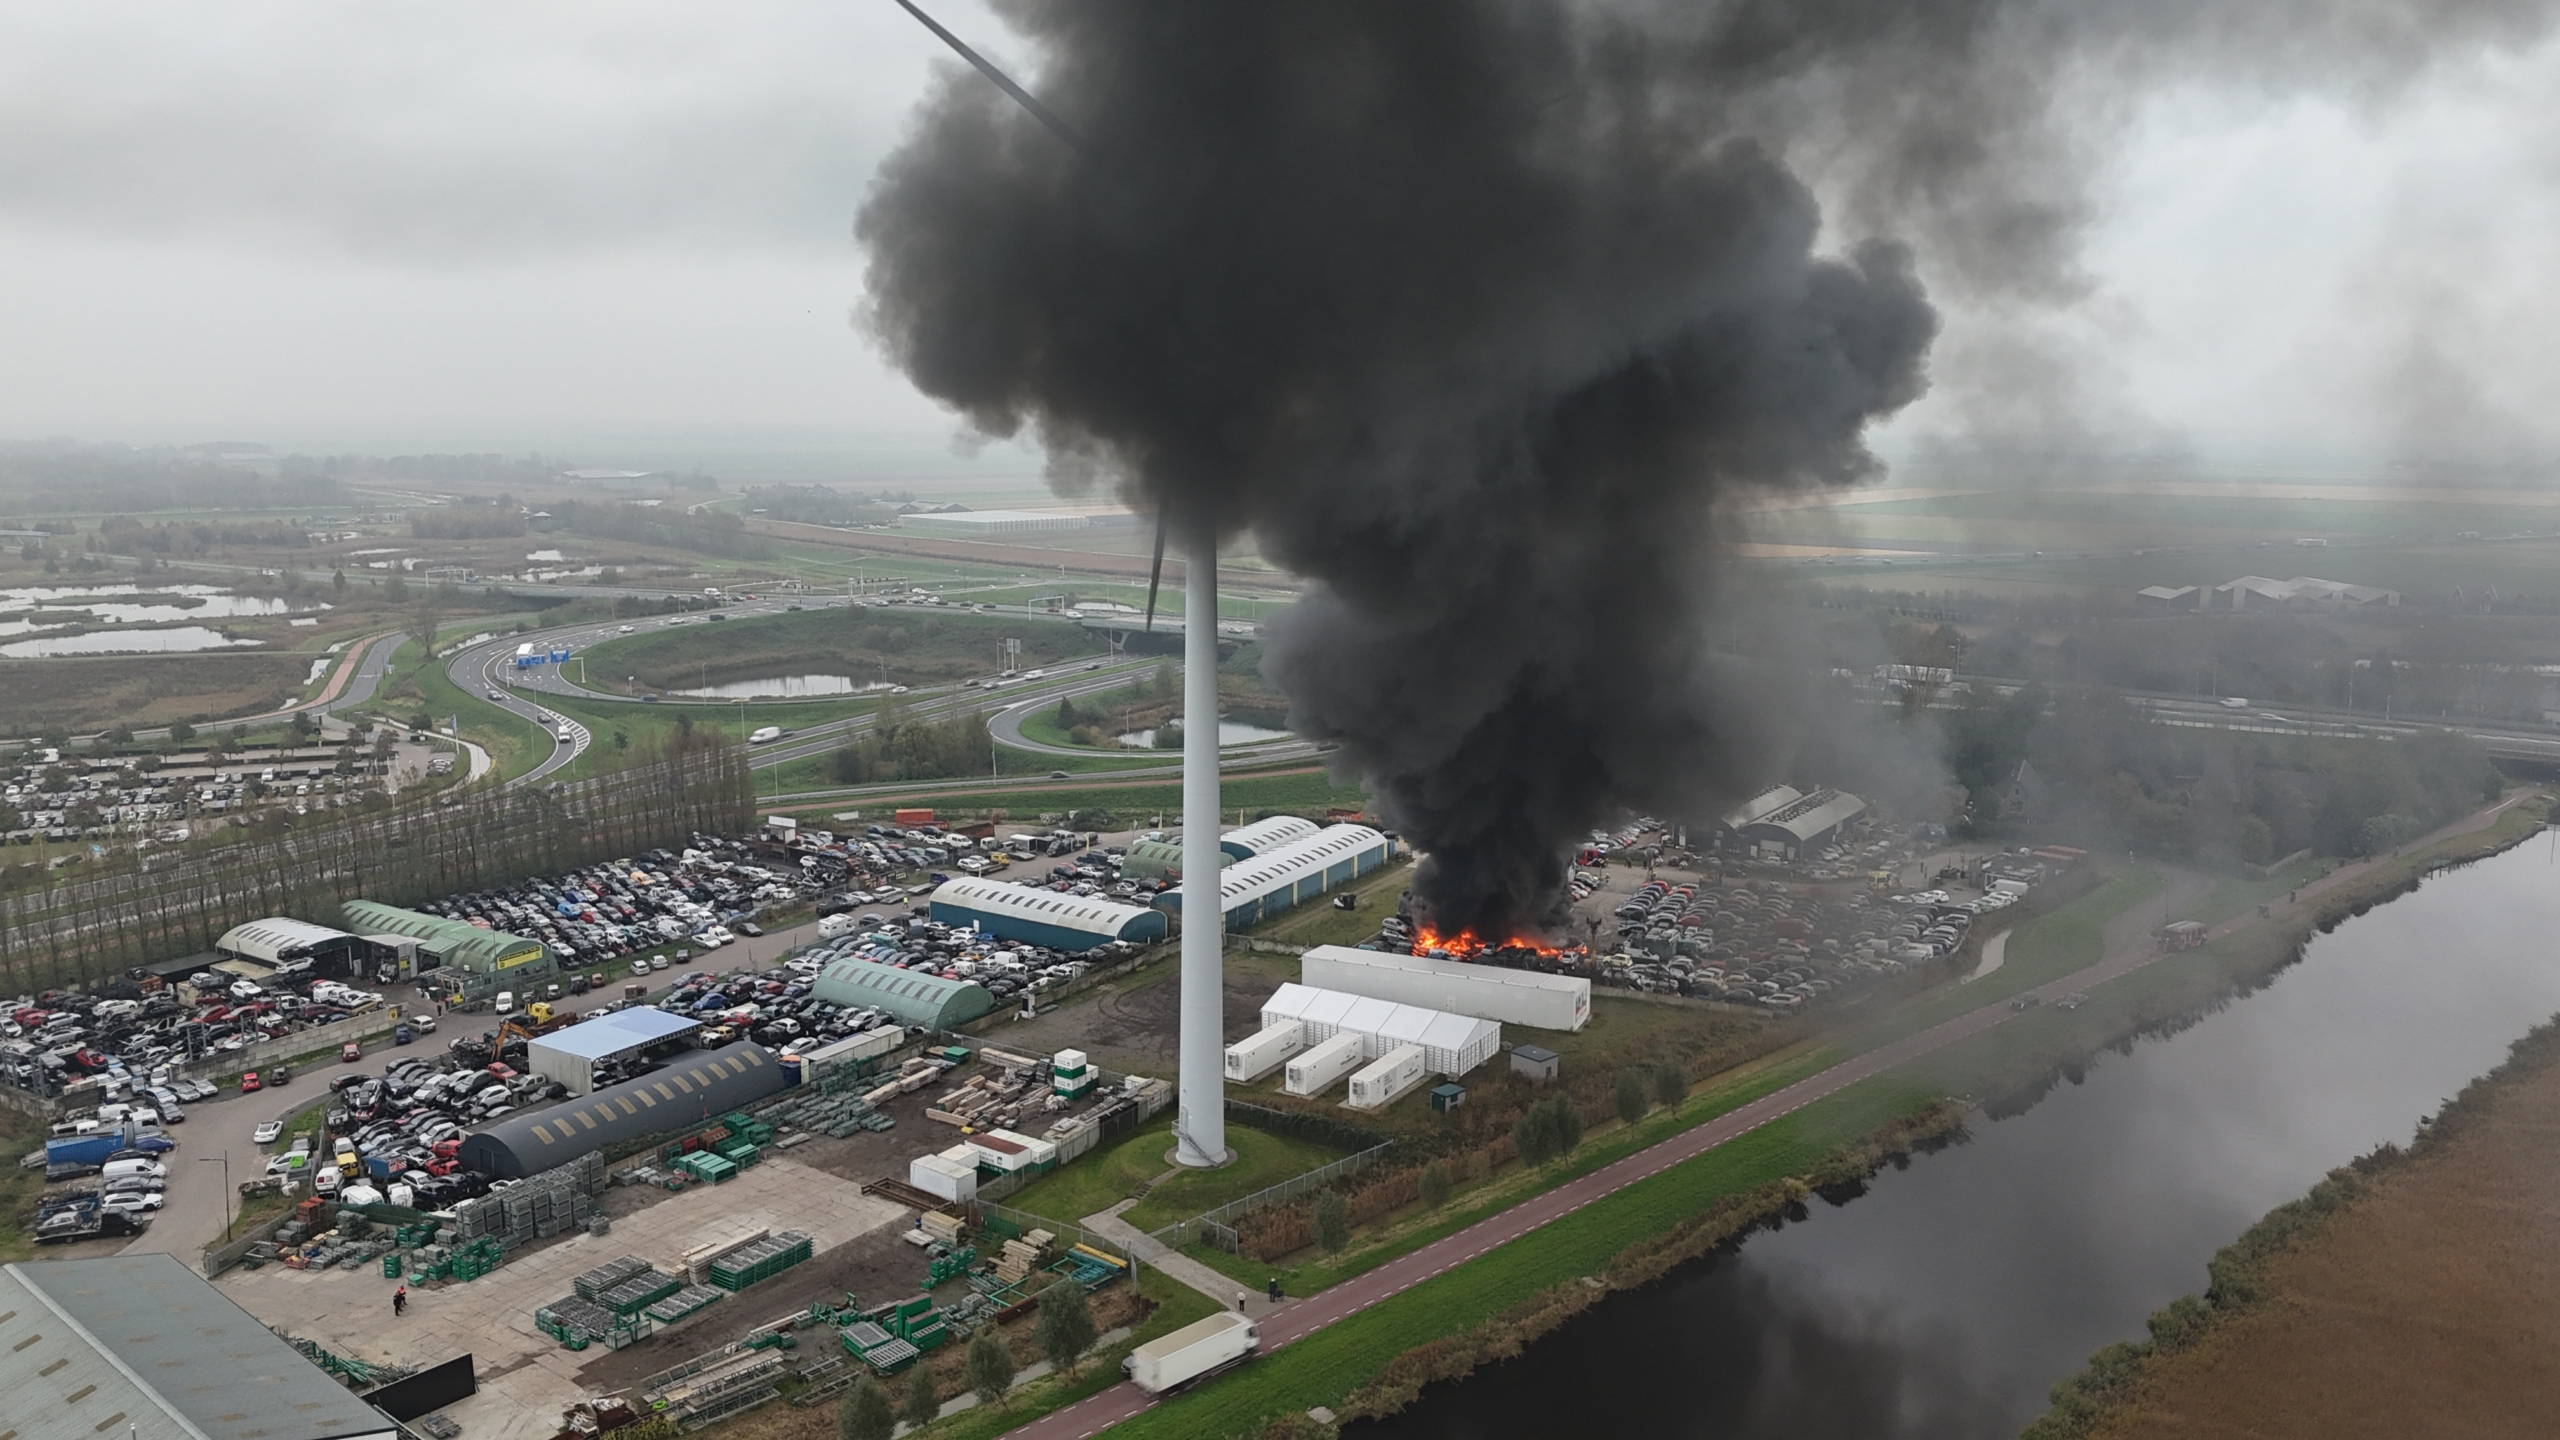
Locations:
(1193, 1353)
(1389, 1076)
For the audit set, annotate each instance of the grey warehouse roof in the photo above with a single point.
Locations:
(275, 939)
(615, 1033)
(695, 1088)
(141, 1345)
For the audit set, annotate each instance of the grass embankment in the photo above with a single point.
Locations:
(19, 1188)
(1103, 1179)
(1330, 1367)
(1321, 924)
(2411, 1292)
(2237, 896)
(912, 645)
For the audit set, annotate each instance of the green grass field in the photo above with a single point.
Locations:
(1108, 1176)
(1245, 792)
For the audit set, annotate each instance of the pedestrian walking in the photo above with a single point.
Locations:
(1240, 1302)
(400, 1301)
(1275, 1289)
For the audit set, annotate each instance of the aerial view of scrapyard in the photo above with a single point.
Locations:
(1443, 721)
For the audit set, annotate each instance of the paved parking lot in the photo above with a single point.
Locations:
(525, 1375)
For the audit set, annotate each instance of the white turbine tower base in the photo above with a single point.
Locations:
(1200, 1122)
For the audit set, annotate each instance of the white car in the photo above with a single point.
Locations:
(267, 1132)
(132, 1202)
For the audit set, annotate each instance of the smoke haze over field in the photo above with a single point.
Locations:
(1475, 313)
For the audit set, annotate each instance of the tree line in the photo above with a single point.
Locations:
(437, 844)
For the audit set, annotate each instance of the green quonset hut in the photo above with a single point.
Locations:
(911, 997)
(475, 961)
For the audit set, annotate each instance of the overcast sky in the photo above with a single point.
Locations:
(505, 226)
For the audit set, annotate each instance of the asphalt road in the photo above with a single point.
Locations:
(2129, 948)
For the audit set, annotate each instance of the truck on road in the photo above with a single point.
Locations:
(1193, 1353)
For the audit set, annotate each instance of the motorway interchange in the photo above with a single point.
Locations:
(488, 669)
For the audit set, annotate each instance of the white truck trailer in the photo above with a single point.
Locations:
(1390, 1075)
(1315, 1071)
(1193, 1353)
(1263, 1051)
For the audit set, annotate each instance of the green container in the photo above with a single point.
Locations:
(391, 1266)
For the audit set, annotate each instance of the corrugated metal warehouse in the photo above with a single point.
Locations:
(696, 1088)
(1488, 992)
(277, 939)
(911, 997)
(570, 1056)
(1265, 835)
(1250, 891)
(1035, 916)
(1453, 1044)
(1156, 860)
(488, 959)
(141, 1345)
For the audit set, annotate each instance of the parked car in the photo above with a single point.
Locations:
(350, 1053)
(266, 1132)
(249, 1082)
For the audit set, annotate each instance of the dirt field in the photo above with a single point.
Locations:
(2432, 1307)
(1133, 1024)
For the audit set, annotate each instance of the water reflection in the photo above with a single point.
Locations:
(782, 687)
(177, 639)
(1947, 1301)
(1230, 732)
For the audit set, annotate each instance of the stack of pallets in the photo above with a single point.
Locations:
(1020, 1257)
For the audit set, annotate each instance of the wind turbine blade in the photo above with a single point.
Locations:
(1004, 82)
(1155, 575)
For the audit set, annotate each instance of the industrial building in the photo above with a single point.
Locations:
(279, 940)
(111, 1346)
(693, 1092)
(1162, 859)
(1265, 835)
(1250, 891)
(477, 962)
(1486, 992)
(1452, 1045)
(623, 1038)
(911, 997)
(1785, 822)
(1032, 915)
(1155, 860)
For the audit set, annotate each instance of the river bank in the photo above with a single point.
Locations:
(2413, 1291)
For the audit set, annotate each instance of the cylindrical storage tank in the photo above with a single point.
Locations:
(1317, 1070)
(1390, 1075)
(1263, 1051)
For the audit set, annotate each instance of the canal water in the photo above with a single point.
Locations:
(1948, 1300)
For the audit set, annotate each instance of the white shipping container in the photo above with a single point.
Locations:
(1391, 1075)
(946, 1179)
(1263, 1051)
(1318, 1069)
(1488, 992)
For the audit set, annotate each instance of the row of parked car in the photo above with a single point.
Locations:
(53, 1040)
(609, 910)
(915, 942)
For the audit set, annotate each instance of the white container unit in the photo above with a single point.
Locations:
(947, 1179)
(1391, 1075)
(1318, 1069)
(1263, 1051)
(1487, 992)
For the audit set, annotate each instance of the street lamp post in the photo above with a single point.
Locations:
(228, 1194)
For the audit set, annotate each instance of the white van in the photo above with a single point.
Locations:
(119, 1169)
(765, 736)
(506, 1002)
(831, 926)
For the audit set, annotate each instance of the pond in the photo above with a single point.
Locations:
(150, 604)
(783, 687)
(175, 640)
(1948, 1300)
(1230, 732)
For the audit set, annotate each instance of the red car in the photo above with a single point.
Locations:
(249, 1082)
(502, 1070)
(351, 1052)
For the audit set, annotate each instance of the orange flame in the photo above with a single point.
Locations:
(1467, 945)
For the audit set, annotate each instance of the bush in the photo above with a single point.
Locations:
(1548, 1130)
(989, 1371)
(921, 1404)
(1631, 1096)
(1670, 1083)
(1066, 1324)
(865, 1413)
(1435, 1185)
(1331, 1222)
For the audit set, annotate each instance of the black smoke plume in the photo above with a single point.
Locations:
(1476, 314)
